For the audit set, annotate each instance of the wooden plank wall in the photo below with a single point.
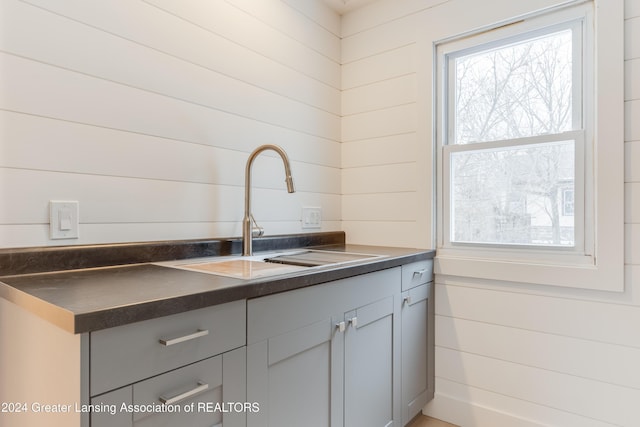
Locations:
(145, 112)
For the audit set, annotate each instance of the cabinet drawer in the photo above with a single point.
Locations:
(210, 387)
(416, 273)
(130, 353)
(200, 382)
(193, 384)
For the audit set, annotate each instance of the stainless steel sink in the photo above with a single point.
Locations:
(315, 258)
(240, 268)
(271, 264)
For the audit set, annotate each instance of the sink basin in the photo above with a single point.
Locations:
(267, 264)
(241, 268)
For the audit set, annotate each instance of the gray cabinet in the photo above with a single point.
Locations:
(356, 352)
(188, 369)
(417, 338)
(327, 355)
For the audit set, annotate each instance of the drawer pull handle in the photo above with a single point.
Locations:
(354, 322)
(419, 273)
(199, 333)
(341, 326)
(175, 399)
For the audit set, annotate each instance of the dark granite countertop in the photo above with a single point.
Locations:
(90, 299)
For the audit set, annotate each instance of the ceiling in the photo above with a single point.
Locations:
(344, 6)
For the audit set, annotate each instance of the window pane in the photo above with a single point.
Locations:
(514, 195)
(519, 90)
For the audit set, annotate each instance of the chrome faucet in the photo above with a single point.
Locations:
(248, 221)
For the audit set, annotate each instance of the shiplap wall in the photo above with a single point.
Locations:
(386, 161)
(145, 112)
(506, 355)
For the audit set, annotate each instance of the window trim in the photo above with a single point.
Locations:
(601, 265)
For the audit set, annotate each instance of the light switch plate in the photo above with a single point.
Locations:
(63, 219)
(311, 217)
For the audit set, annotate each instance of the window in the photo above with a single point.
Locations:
(517, 151)
(515, 136)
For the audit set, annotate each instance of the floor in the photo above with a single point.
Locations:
(423, 421)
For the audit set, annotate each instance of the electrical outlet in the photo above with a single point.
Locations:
(63, 219)
(311, 217)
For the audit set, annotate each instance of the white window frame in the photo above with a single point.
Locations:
(597, 259)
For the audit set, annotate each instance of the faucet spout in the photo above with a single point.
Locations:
(248, 221)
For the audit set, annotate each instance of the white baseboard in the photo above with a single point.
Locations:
(468, 414)
(465, 413)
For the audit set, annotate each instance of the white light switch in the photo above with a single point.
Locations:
(311, 217)
(64, 215)
(63, 219)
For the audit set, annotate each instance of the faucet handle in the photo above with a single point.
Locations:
(256, 230)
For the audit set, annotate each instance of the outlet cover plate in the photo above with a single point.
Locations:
(311, 217)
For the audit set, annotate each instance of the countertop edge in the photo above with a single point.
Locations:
(52, 313)
(234, 289)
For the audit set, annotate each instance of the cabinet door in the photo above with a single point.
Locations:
(290, 375)
(371, 389)
(417, 356)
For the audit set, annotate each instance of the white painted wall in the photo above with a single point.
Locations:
(506, 355)
(145, 112)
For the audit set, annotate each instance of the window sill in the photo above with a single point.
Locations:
(607, 276)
